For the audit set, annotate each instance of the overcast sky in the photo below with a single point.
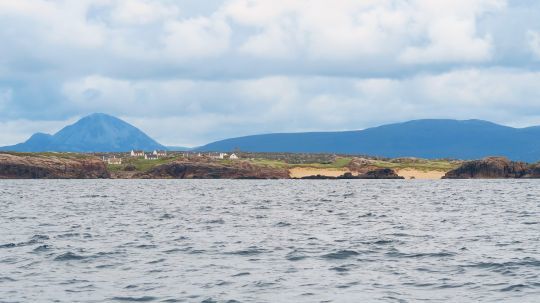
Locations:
(188, 72)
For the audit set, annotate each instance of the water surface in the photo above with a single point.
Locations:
(269, 241)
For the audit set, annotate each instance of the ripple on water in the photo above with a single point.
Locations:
(341, 254)
(269, 241)
(135, 299)
(69, 256)
(250, 251)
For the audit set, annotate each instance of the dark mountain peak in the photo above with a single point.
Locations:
(93, 133)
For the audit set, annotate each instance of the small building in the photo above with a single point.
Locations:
(150, 157)
(233, 157)
(160, 153)
(113, 160)
(137, 153)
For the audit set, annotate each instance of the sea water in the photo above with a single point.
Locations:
(269, 241)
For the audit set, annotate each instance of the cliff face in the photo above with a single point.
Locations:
(51, 167)
(493, 168)
(208, 170)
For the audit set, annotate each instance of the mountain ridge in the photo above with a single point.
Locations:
(425, 138)
(97, 132)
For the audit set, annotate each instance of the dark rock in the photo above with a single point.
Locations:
(209, 170)
(380, 173)
(13, 166)
(318, 177)
(490, 168)
(534, 171)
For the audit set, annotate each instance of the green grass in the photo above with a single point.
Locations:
(419, 164)
(337, 164)
(269, 163)
(51, 155)
(140, 164)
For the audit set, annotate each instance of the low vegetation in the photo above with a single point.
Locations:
(51, 155)
(417, 164)
(270, 160)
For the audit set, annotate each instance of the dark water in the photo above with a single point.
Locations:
(269, 241)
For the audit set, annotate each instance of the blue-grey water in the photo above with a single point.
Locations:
(269, 241)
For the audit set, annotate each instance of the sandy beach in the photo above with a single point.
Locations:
(299, 172)
(409, 173)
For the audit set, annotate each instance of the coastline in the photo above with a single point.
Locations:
(253, 166)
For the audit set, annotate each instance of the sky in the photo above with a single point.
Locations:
(188, 72)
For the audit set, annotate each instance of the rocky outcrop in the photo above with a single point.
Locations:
(212, 170)
(21, 166)
(534, 172)
(379, 173)
(492, 168)
(361, 165)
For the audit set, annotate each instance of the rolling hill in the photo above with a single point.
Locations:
(431, 138)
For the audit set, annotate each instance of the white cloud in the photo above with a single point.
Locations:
(420, 31)
(6, 95)
(533, 39)
(197, 37)
(250, 66)
(206, 110)
(140, 12)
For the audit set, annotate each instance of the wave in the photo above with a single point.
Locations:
(341, 254)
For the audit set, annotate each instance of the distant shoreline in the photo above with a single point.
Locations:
(192, 165)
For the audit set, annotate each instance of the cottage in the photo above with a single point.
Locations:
(137, 153)
(160, 153)
(233, 157)
(150, 157)
(113, 160)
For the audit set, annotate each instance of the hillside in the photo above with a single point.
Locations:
(431, 139)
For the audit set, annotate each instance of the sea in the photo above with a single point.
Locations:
(269, 241)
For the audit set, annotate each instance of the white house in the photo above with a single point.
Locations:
(160, 153)
(113, 160)
(150, 157)
(137, 153)
(233, 157)
(222, 155)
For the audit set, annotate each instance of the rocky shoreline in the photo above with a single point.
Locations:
(51, 167)
(494, 168)
(83, 166)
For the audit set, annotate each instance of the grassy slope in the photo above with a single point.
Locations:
(419, 164)
(140, 164)
(51, 155)
(339, 163)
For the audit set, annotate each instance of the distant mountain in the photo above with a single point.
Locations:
(93, 133)
(469, 139)
(179, 148)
